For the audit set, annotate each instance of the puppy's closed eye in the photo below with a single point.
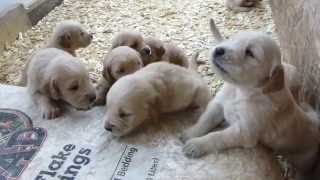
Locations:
(74, 86)
(81, 33)
(123, 114)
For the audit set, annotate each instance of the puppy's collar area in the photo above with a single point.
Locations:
(219, 66)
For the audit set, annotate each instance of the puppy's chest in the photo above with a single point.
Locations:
(245, 109)
(232, 110)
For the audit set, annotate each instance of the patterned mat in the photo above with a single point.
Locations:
(19, 143)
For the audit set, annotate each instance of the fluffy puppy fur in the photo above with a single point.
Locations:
(157, 88)
(69, 36)
(133, 40)
(241, 5)
(165, 52)
(256, 103)
(57, 79)
(119, 62)
(291, 72)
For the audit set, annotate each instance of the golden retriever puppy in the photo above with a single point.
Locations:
(157, 88)
(165, 52)
(69, 36)
(133, 40)
(241, 5)
(257, 104)
(56, 79)
(119, 62)
(291, 72)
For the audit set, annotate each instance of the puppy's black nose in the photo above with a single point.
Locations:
(91, 36)
(147, 51)
(219, 51)
(91, 97)
(108, 127)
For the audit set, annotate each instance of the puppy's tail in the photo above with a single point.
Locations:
(194, 62)
(215, 31)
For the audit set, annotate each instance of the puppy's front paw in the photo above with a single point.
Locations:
(193, 148)
(51, 112)
(184, 136)
(188, 134)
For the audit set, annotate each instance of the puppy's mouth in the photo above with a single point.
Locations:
(218, 65)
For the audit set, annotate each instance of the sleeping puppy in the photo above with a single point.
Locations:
(57, 80)
(256, 103)
(165, 52)
(119, 62)
(241, 5)
(155, 89)
(133, 40)
(69, 36)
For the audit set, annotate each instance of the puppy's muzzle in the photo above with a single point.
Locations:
(218, 52)
(146, 50)
(217, 59)
(91, 36)
(91, 97)
(108, 127)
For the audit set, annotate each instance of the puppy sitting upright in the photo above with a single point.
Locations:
(69, 36)
(165, 52)
(119, 62)
(133, 40)
(57, 79)
(257, 104)
(157, 88)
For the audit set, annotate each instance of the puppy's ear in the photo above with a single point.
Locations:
(65, 40)
(54, 89)
(276, 80)
(106, 73)
(160, 51)
(50, 88)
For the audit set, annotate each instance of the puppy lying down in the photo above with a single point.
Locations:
(68, 36)
(57, 79)
(256, 103)
(121, 61)
(157, 88)
(165, 52)
(132, 39)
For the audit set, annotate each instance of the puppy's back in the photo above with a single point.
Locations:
(41, 62)
(175, 74)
